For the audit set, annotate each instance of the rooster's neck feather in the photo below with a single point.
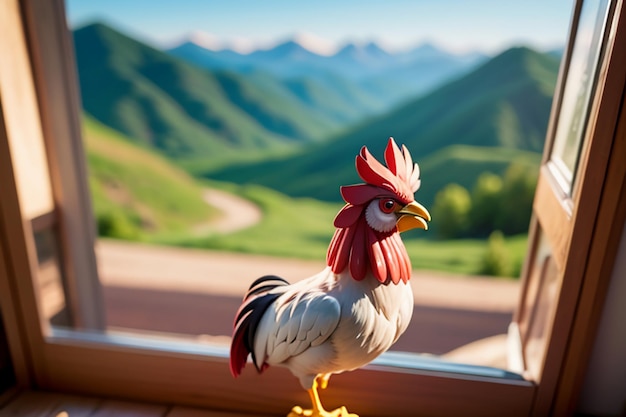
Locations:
(362, 249)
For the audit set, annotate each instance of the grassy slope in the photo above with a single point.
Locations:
(147, 196)
(292, 227)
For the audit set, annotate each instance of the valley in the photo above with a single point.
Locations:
(280, 128)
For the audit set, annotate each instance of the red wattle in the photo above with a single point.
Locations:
(377, 258)
(391, 258)
(358, 254)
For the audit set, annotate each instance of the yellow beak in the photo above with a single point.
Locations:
(413, 216)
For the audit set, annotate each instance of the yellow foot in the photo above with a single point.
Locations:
(297, 411)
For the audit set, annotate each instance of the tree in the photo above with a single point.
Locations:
(116, 224)
(518, 192)
(486, 196)
(496, 260)
(450, 211)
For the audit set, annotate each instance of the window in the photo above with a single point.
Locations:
(571, 242)
(579, 85)
(112, 81)
(562, 269)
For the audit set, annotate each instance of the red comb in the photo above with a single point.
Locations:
(400, 176)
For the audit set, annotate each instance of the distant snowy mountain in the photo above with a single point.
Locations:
(289, 50)
(368, 53)
(391, 76)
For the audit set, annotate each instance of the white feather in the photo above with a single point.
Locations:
(332, 323)
(414, 180)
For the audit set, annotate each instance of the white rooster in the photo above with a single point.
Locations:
(357, 307)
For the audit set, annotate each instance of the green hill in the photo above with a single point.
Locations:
(183, 110)
(336, 97)
(137, 194)
(502, 107)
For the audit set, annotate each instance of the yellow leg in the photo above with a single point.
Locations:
(321, 381)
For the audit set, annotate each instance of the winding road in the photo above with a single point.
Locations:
(240, 213)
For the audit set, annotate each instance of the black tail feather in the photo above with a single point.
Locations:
(255, 303)
(269, 281)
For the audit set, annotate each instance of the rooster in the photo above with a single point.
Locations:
(345, 316)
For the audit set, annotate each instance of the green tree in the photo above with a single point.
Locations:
(450, 212)
(116, 224)
(496, 260)
(518, 192)
(486, 196)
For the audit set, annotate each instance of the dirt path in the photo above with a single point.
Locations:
(236, 213)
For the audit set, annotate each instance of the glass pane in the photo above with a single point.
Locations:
(218, 159)
(577, 94)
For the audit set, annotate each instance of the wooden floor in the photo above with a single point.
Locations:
(46, 404)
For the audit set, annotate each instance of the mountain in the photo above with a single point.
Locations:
(418, 75)
(288, 51)
(203, 57)
(501, 107)
(390, 77)
(293, 65)
(360, 60)
(186, 111)
(370, 53)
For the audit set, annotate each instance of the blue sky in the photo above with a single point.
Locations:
(458, 25)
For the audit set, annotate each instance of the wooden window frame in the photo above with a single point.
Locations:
(171, 371)
(583, 226)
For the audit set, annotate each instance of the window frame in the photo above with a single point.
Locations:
(60, 118)
(583, 227)
(197, 374)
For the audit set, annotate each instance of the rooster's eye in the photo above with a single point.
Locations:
(387, 206)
